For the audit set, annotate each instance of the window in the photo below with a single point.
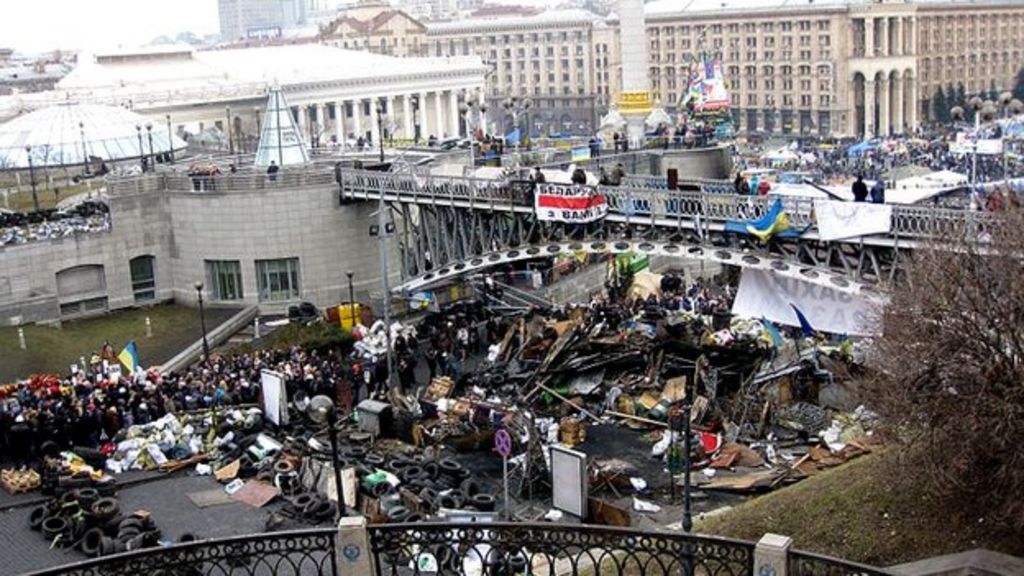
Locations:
(224, 279)
(277, 280)
(143, 278)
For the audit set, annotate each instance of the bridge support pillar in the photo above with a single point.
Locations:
(352, 552)
(771, 555)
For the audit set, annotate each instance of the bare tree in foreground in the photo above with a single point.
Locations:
(950, 366)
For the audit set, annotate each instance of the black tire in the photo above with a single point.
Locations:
(106, 508)
(53, 526)
(303, 500)
(373, 460)
(470, 487)
(411, 473)
(432, 470)
(187, 537)
(317, 509)
(69, 497)
(381, 489)
(283, 467)
(357, 452)
(484, 502)
(128, 533)
(449, 467)
(131, 522)
(107, 546)
(447, 501)
(92, 542)
(428, 495)
(49, 448)
(87, 496)
(398, 514)
(413, 517)
(36, 517)
(110, 525)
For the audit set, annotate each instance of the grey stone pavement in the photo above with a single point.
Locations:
(23, 550)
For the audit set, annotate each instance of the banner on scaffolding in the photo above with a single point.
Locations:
(569, 204)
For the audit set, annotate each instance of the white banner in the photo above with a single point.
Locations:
(763, 294)
(838, 220)
(572, 204)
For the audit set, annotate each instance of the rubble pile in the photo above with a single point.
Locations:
(93, 523)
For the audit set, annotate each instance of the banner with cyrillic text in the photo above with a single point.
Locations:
(570, 204)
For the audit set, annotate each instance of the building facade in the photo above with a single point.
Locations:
(839, 67)
(550, 58)
(334, 93)
(376, 28)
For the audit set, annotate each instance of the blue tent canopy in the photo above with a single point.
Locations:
(859, 149)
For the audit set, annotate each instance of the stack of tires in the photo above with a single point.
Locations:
(439, 484)
(92, 523)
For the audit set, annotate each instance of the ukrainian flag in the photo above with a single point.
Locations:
(774, 222)
(129, 356)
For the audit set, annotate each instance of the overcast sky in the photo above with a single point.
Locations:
(38, 25)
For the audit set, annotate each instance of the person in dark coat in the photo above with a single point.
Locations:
(860, 190)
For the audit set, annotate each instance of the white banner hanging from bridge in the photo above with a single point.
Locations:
(763, 294)
(838, 220)
(570, 204)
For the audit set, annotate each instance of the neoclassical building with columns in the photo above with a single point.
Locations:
(333, 93)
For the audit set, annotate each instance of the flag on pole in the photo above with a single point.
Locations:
(129, 356)
(512, 137)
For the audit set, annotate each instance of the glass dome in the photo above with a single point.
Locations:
(66, 134)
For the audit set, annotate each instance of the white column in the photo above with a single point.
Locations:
(357, 122)
(424, 123)
(321, 122)
(374, 132)
(883, 107)
(914, 105)
(339, 123)
(869, 108)
(869, 37)
(483, 115)
(898, 48)
(408, 130)
(453, 113)
(439, 111)
(898, 104)
(912, 33)
(883, 32)
(304, 123)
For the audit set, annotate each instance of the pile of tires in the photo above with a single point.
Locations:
(92, 523)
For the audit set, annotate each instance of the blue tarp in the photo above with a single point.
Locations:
(861, 148)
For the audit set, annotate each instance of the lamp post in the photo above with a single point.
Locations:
(515, 107)
(351, 299)
(202, 321)
(152, 156)
(142, 152)
(381, 230)
(231, 139)
(470, 110)
(170, 140)
(85, 150)
(380, 132)
(32, 178)
(259, 127)
(332, 421)
(416, 118)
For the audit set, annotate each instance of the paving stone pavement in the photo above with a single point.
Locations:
(24, 550)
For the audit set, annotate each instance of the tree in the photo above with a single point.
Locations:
(961, 95)
(1018, 87)
(950, 367)
(940, 106)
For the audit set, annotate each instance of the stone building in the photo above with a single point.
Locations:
(377, 28)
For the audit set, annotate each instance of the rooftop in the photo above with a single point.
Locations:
(670, 7)
(548, 17)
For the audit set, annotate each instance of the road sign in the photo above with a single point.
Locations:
(503, 443)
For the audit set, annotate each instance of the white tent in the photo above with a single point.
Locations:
(781, 155)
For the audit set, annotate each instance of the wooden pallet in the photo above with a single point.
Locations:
(19, 481)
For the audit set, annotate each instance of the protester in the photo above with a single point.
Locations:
(860, 190)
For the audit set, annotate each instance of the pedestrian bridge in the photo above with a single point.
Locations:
(454, 225)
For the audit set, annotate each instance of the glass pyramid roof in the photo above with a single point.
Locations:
(280, 141)
(63, 135)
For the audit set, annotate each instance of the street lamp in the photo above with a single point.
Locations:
(142, 153)
(515, 107)
(382, 229)
(32, 178)
(380, 129)
(351, 300)
(469, 109)
(416, 118)
(85, 150)
(231, 139)
(152, 156)
(170, 139)
(202, 321)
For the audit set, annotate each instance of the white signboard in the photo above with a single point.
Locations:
(571, 204)
(838, 220)
(275, 397)
(763, 294)
(569, 481)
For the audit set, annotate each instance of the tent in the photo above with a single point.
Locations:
(780, 156)
(860, 149)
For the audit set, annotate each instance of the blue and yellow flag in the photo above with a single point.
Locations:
(805, 325)
(129, 356)
(772, 223)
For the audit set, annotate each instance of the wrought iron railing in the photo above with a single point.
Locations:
(532, 548)
(808, 564)
(296, 553)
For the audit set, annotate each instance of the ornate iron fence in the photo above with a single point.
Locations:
(516, 548)
(296, 553)
(808, 564)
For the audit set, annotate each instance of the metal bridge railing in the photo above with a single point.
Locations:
(544, 548)
(300, 552)
(808, 564)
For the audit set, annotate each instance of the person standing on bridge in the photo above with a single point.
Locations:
(272, 171)
(860, 190)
